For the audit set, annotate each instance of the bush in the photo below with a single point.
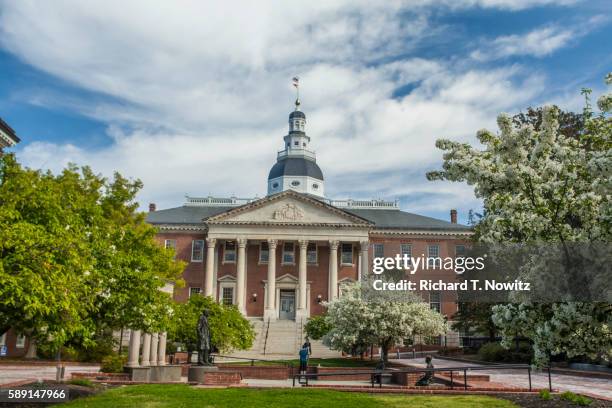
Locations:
(576, 398)
(492, 352)
(545, 395)
(317, 327)
(113, 363)
(82, 382)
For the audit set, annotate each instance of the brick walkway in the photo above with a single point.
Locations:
(518, 378)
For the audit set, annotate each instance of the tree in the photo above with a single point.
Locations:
(229, 328)
(541, 184)
(357, 323)
(76, 258)
(317, 327)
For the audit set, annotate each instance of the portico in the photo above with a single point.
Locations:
(293, 234)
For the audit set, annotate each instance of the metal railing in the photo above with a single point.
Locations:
(376, 375)
(252, 360)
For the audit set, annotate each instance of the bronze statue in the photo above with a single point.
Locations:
(428, 377)
(204, 343)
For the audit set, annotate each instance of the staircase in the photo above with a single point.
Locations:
(281, 339)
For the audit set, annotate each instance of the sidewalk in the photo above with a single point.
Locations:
(11, 373)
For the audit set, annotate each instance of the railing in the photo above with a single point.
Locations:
(252, 360)
(309, 154)
(378, 374)
(364, 204)
(217, 201)
(266, 338)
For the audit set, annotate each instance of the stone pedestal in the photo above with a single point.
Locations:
(164, 374)
(198, 373)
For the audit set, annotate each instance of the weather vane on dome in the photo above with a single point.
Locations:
(296, 83)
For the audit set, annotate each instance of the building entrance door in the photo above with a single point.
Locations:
(287, 305)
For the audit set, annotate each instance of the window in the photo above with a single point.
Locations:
(20, 342)
(296, 143)
(197, 250)
(406, 249)
(315, 186)
(347, 254)
(304, 144)
(194, 291)
(274, 185)
(229, 252)
(227, 296)
(433, 251)
(295, 183)
(434, 300)
(170, 244)
(379, 250)
(264, 253)
(459, 250)
(288, 253)
(3, 339)
(311, 253)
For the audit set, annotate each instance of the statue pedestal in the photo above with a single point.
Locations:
(198, 373)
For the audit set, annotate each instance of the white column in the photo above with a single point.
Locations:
(333, 269)
(241, 275)
(146, 349)
(161, 349)
(153, 353)
(363, 259)
(302, 300)
(270, 311)
(133, 349)
(216, 276)
(210, 266)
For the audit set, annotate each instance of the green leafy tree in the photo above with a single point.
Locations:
(76, 258)
(541, 184)
(317, 327)
(229, 329)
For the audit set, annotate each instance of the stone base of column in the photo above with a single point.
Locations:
(301, 314)
(270, 314)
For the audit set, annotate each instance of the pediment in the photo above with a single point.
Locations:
(287, 278)
(288, 208)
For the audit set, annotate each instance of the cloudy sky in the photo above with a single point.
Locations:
(192, 97)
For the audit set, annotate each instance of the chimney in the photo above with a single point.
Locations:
(453, 215)
(152, 207)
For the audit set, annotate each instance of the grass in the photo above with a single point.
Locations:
(185, 396)
(313, 362)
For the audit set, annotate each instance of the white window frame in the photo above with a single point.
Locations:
(406, 248)
(3, 339)
(20, 341)
(435, 302)
(378, 245)
(195, 292)
(228, 252)
(342, 253)
(262, 251)
(170, 243)
(430, 247)
(316, 254)
(228, 285)
(193, 243)
(286, 252)
(460, 246)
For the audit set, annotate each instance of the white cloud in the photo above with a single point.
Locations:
(198, 93)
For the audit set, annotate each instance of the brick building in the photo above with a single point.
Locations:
(278, 257)
(8, 138)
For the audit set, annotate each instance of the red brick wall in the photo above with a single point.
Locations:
(260, 372)
(12, 350)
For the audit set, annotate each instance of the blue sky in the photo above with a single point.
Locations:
(193, 99)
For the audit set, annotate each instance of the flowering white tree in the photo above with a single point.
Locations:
(381, 320)
(539, 185)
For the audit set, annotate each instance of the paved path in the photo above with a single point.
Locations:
(588, 385)
(19, 372)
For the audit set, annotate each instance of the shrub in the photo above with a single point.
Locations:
(576, 398)
(113, 363)
(317, 327)
(492, 352)
(545, 395)
(81, 381)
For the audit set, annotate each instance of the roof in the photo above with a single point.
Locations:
(4, 127)
(295, 166)
(381, 218)
(185, 214)
(398, 219)
(297, 114)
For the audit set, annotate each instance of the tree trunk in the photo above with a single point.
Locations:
(31, 353)
(384, 351)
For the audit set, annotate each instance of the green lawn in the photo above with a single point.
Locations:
(186, 396)
(313, 362)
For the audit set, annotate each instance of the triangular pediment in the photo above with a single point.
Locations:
(288, 208)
